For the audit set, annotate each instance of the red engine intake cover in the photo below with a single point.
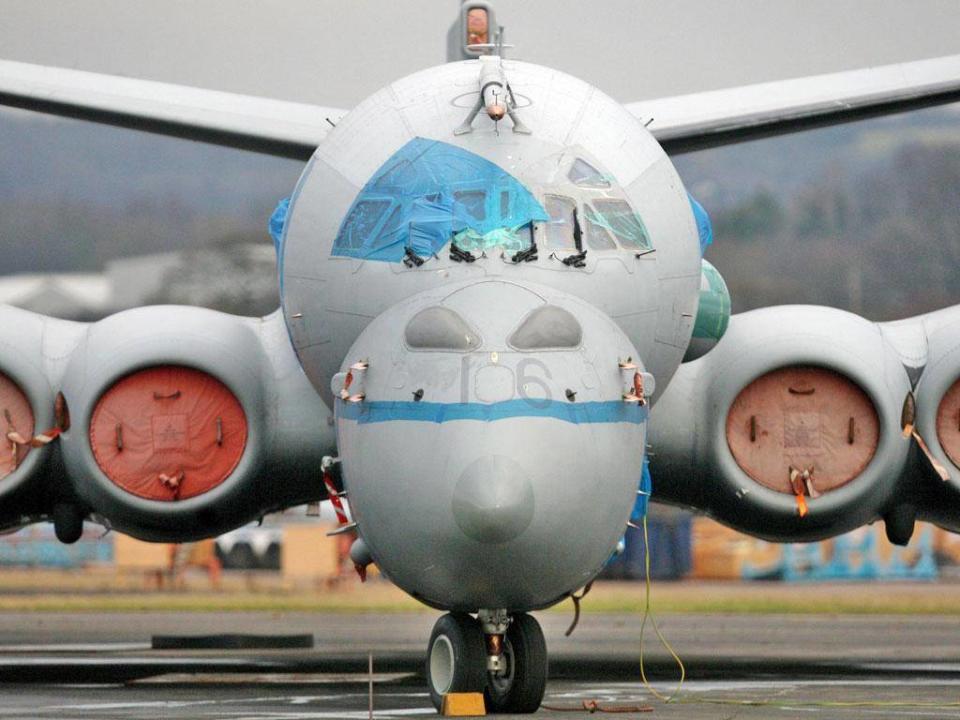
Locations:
(168, 433)
(16, 415)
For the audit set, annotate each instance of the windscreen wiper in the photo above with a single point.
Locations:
(411, 259)
(528, 255)
(459, 255)
(579, 259)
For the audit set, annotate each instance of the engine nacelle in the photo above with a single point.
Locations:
(179, 423)
(32, 358)
(936, 349)
(790, 429)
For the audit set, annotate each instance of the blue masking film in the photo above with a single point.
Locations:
(378, 411)
(704, 226)
(643, 497)
(423, 194)
(277, 222)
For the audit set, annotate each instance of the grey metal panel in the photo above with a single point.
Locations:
(685, 123)
(274, 127)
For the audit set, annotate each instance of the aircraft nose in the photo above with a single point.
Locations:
(493, 500)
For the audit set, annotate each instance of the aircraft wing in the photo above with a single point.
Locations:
(684, 123)
(274, 127)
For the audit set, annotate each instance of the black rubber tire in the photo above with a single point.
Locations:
(459, 635)
(526, 650)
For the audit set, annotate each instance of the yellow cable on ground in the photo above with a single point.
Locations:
(648, 615)
(747, 702)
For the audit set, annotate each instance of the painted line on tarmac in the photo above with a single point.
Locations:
(270, 678)
(59, 660)
(76, 648)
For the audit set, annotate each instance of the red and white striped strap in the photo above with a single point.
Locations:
(335, 498)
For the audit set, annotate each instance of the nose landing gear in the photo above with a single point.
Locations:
(501, 656)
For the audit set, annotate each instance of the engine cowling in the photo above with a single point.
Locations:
(937, 352)
(32, 359)
(187, 422)
(790, 429)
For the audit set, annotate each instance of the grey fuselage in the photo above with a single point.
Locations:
(489, 475)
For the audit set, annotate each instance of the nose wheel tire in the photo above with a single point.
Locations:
(456, 657)
(520, 685)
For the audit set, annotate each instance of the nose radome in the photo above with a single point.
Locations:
(493, 500)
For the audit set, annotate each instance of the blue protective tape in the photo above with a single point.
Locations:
(277, 223)
(423, 194)
(614, 411)
(704, 226)
(643, 497)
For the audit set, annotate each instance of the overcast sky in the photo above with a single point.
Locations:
(335, 52)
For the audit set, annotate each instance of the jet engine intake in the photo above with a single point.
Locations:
(789, 429)
(181, 424)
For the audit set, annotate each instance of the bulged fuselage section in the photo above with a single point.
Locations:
(342, 254)
(419, 242)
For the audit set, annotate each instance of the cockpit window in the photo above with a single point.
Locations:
(598, 237)
(361, 223)
(619, 218)
(473, 202)
(584, 174)
(559, 229)
(439, 328)
(547, 327)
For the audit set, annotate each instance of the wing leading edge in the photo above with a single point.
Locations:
(685, 123)
(273, 127)
(682, 123)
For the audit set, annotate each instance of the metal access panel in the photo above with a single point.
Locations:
(804, 419)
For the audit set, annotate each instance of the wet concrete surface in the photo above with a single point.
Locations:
(738, 666)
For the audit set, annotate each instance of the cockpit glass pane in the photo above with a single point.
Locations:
(473, 202)
(619, 218)
(439, 328)
(362, 222)
(547, 327)
(598, 237)
(559, 229)
(584, 174)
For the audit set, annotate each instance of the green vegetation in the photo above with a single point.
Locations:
(883, 242)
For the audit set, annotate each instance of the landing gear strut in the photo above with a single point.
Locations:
(501, 656)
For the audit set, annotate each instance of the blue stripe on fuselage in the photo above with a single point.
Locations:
(377, 411)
